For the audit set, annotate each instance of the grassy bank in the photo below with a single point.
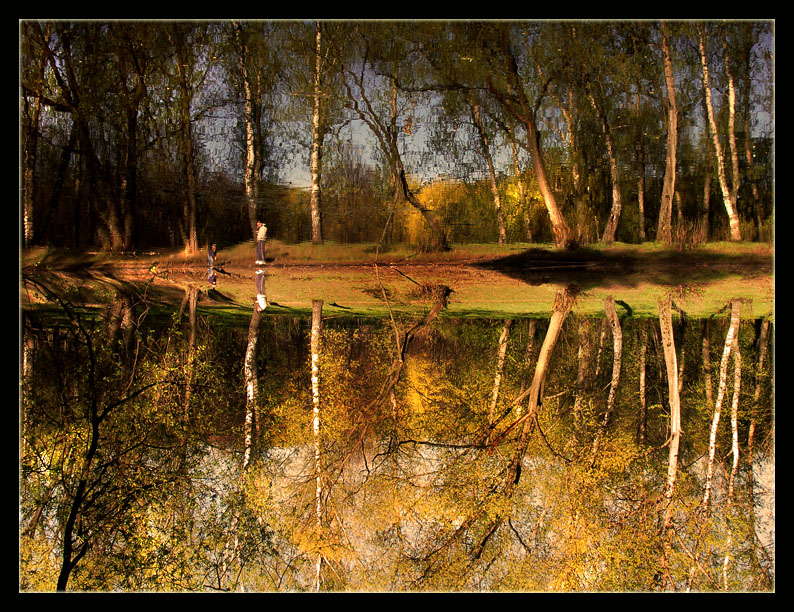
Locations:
(305, 253)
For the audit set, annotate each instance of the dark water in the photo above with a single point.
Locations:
(174, 451)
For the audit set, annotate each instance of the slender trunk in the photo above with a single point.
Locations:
(190, 365)
(737, 385)
(486, 153)
(31, 131)
(317, 142)
(315, 347)
(762, 349)
(563, 303)
(641, 190)
(527, 359)
(252, 150)
(189, 238)
(614, 214)
(500, 366)
(643, 398)
(617, 359)
(733, 330)
(706, 358)
(251, 386)
(728, 193)
(664, 227)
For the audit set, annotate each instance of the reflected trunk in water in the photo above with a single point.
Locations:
(668, 343)
(316, 332)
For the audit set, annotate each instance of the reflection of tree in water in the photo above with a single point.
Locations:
(454, 456)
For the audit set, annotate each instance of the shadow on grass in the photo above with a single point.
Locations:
(587, 268)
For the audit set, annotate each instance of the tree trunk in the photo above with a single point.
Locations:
(759, 375)
(614, 214)
(317, 142)
(486, 153)
(30, 146)
(668, 342)
(524, 113)
(189, 238)
(664, 227)
(252, 155)
(617, 359)
(251, 386)
(733, 331)
(729, 194)
(315, 347)
(642, 434)
(500, 366)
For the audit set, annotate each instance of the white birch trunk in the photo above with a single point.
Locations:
(500, 366)
(728, 193)
(737, 385)
(316, 331)
(733, 330)
(317, 143)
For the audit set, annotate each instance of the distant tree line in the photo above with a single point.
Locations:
(174, 134)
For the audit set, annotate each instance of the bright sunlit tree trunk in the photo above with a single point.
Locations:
(729, 193)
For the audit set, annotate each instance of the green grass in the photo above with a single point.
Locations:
(345, 279)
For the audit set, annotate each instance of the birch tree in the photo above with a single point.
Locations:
(733, 330)
(319, 491)
(730, 191)
(318, 134)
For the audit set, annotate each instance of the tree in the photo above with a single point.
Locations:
(185, 39)
(377, 69)
(664, 226)
(318, 134)
(250, 72)
(729, 192)
(674, 400)
(510, 91)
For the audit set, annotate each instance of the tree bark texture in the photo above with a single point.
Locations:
(668, 345)
(729, 193)
(664, 226)
(733, 330)
(317, 142)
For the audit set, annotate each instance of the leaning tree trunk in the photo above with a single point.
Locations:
(729, 194)
(733, 331)
(517, 104)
